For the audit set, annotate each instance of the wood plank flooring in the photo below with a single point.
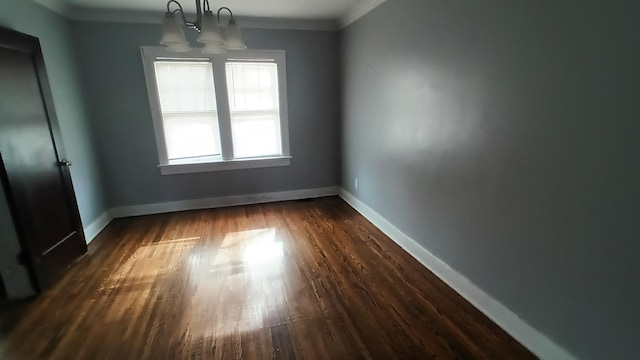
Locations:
(289, 280)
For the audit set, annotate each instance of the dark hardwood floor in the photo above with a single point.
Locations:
(306, 280)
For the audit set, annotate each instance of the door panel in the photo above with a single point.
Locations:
(3, 291)
(40, 190)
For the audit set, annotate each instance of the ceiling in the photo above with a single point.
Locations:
(342, 11)
(306, 9)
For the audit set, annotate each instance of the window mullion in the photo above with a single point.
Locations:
(224, 112)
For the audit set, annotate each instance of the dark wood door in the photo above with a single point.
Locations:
(34, 172)
(3, 291)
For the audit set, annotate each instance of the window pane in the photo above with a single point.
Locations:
(255, 108)
(188, 105)
(256, 134)
(191, 135)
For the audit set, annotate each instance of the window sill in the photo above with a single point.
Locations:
(223, 165)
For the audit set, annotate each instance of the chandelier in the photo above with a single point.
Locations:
(206, 24)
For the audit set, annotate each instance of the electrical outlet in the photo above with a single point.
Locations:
(356, 183)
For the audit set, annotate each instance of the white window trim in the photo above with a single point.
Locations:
(170, 167)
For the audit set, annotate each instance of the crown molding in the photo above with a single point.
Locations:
(58, 6)
(62, 7)
(288, 24)
(155, 17)
(359, 10)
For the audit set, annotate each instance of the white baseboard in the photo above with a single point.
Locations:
(91, 231)
(216, 202)
(535, 341)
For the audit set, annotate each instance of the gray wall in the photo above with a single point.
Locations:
(113, 76)
(503, 137)
(53, 31)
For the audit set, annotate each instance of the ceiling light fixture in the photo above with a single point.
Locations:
(206, 24)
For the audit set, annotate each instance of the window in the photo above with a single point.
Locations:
(218, 112)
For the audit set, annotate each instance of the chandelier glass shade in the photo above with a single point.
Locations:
(214, 40)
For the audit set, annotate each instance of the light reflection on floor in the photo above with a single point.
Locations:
(152, 263)
(238, 286)
(233, 285)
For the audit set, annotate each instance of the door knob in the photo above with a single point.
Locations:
(64, 163)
